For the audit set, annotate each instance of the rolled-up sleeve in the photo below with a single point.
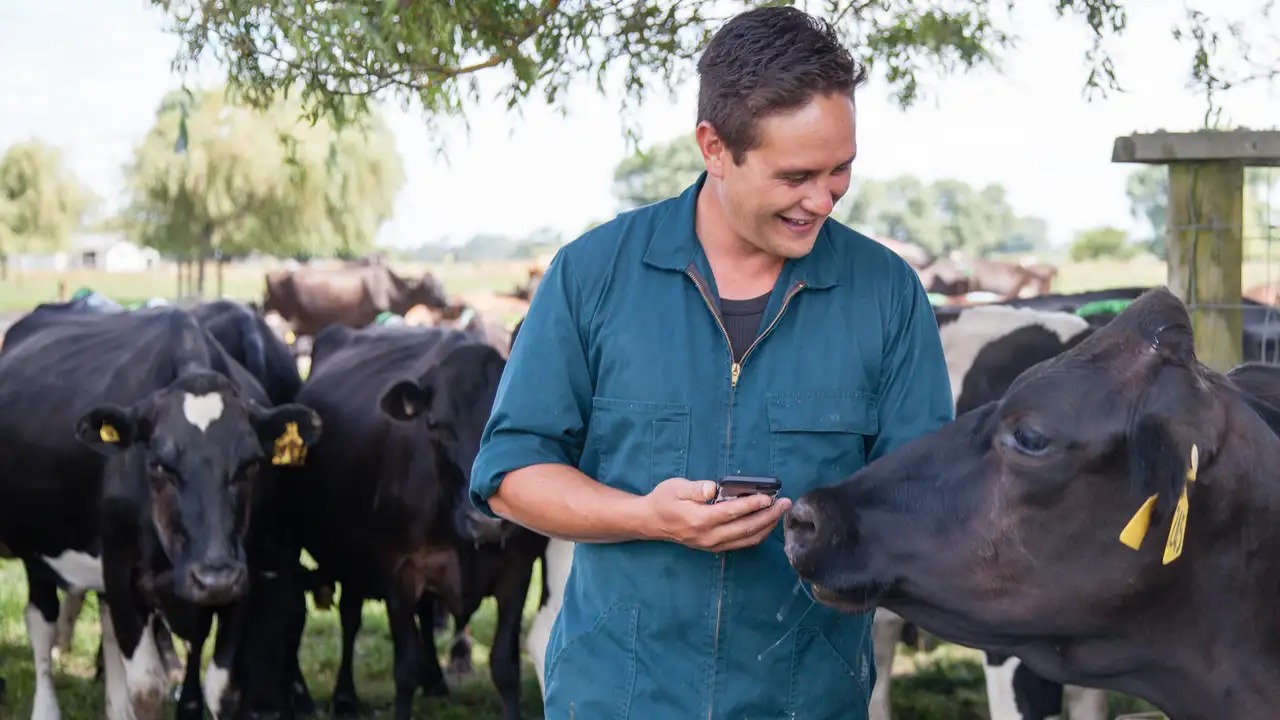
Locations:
(544, 397)
(915, 389)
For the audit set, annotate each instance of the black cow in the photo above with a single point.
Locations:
(504, 571)
(246, 337)
(384, 511)
(152, 447)
(1095, 522)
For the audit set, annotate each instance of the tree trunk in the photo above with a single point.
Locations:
(204, 247)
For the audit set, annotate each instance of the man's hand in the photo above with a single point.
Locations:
(681, 514)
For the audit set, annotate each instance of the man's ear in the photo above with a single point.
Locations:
(406, 401)
(287, 431)
(109, 429)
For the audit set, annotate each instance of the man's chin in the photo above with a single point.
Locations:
(793, 248)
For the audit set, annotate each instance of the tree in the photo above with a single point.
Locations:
(659, 173)
(1147, 189)
(355, 50)
(942, 216)
(213, 176)
(1099, 244)
(41, 201)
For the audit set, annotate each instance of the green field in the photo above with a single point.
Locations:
(21, 290)
(81, 698)
(945, 684)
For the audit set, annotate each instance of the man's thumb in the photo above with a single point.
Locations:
(700, 490)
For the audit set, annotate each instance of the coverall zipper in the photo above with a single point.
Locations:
(735, 371)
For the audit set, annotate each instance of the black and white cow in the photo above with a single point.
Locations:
(152, 448)
(385, 512)
(1260, 336)
(248, 339)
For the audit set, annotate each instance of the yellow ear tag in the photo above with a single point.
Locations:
(1173, 548)
(1136, 530)
(108, 434)
(289, 447)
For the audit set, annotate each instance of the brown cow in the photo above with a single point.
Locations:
(312, 298)
(1266, 293)
(915, 255)
(955, 276)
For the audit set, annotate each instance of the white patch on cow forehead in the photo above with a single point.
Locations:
(981, 325)
(202, 410)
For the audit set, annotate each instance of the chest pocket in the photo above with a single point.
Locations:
(817, 438)
(638, 444)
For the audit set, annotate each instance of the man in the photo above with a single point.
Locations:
(733, 330)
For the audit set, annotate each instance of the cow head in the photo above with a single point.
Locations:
(199, 448)
(1015, 526)
(452, 400)
(429, 291)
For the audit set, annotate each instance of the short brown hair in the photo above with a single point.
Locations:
(765, 61)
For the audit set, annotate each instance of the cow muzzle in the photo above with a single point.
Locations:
(820, 547)
(215, 582)
(482, 529)
(803, 529)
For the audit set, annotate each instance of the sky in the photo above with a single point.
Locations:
(86, 75)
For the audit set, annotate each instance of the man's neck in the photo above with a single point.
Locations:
(741, 270)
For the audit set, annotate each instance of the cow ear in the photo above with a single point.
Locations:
(287, 431)
(1172, 416)
(406, 401)
(109, 429)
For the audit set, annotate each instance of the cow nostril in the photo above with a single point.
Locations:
(217, 578)
(801, 521)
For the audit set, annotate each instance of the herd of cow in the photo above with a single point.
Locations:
(174, 461)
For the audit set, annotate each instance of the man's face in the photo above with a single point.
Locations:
(777, 199)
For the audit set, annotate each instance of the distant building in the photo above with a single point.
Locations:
(108, 252)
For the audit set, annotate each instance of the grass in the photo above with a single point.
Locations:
(81, 698)
(942, 684)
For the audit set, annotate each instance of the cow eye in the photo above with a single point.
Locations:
(1030, 441)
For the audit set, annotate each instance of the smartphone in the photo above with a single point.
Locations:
(735, 486)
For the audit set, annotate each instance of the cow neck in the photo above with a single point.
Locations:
(1220, 656)
(1232, 676)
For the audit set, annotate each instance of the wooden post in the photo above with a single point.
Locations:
(1206, 255)
(1206, 225)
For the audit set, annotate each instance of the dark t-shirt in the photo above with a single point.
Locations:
(742, 321)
